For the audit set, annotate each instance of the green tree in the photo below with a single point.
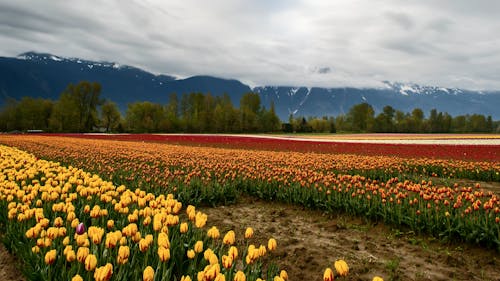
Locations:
(250, 110)
(76, 109)
(65, 117)
(110, 116)
(361, 117)
(145, 117)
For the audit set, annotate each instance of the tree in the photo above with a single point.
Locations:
(145, 117)
(417, 116)
(110, 116)
(361, 117)
(76, 110)
(64, 117)
(250, 109)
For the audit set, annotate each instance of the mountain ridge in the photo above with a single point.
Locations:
(46, 75)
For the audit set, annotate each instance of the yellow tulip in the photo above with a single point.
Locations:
(143, 245)
(198, 246)
(110, 224)
(163, 240)
(90, 262)
(66, 240)
(229, 238)
(227, 261)
(148, 274)
(164, 254)
(272, 244)
(233, 252)
(200, 220)
(220, 277)
(213, 232)
(82, 253)
(377, 278)
(184, 227)
(341, 267)
(103, 273)
(328, 275)
(190, 254)
(70, 256)
(284, 275)
(77, 278)
(123, 254)
(185, 278)
(248, 233)
(35, 249)
(240, 276)
(50, 256)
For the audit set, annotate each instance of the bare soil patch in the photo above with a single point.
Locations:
(9, 266)
(309, 241)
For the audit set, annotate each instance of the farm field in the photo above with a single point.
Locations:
(400, 211)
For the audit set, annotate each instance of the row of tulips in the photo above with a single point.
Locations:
(109, 156)
(436, 151)
(214, 175)
(67, 224)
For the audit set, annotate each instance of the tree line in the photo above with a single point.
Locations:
(81, 109)
(361, 118)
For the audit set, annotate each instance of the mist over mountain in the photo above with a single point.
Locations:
(46, 76)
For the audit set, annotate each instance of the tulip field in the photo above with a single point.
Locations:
(131, 207)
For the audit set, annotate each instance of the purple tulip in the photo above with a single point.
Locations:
(80, 228)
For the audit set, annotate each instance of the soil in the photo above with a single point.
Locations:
(309, 241)
(9, 270)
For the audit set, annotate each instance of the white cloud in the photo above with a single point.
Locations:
(445, 43)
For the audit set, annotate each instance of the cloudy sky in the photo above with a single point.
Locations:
(451, 43)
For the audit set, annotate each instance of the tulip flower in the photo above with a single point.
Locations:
(213, 232)
(229, 238)
(284, 275)
(103, 273)
(50, 257)
(328, 275)
(80, 229)
(123, 254)
(198, 247)
(77, 278)
(163, 254)
(377, 278)
(90, 262)
(272, 244)
(148, 274)
(183, 227)
(341, 267)
(248, 233)
(240, 276)
(82, 253)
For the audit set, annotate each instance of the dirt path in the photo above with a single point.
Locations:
(9, 266)
(309, 241)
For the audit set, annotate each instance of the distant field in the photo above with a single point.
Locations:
(466, 139)
(485, 147)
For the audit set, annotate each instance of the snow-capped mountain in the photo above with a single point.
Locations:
(46, 75)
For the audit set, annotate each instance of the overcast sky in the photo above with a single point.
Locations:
(453, 43)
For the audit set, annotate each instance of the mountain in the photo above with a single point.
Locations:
(302, 101)
(46, 75)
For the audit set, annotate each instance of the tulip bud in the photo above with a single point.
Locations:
(80, 228)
